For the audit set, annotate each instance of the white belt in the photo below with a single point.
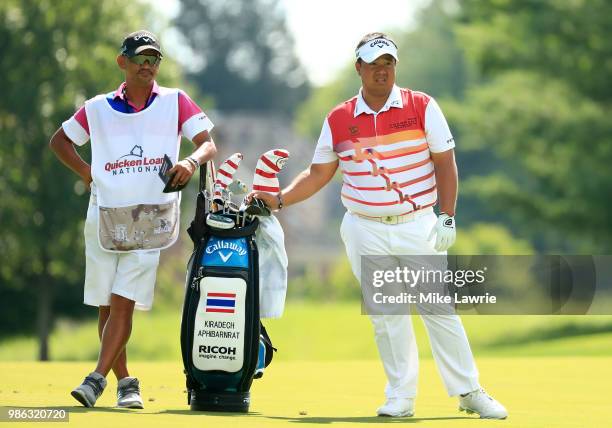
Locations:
(397, 219)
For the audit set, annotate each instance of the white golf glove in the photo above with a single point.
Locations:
(445, 232)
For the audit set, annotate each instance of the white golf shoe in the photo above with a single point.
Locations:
(397, 407)
(128, 393)
(483, 404)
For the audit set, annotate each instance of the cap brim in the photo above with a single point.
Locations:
(140, 49)
(375, 54)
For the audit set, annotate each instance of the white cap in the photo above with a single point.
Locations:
(375, 48)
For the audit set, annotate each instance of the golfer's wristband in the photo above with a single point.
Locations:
(193, 161)
(280, 201)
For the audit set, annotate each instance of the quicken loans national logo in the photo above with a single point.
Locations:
(133, 163)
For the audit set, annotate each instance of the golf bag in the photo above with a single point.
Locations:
(221, 329)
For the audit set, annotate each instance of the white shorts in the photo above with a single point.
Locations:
(130, 275)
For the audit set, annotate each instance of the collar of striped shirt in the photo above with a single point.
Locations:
(394, 100)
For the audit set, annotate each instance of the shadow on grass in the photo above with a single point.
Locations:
(321, 419)
(362, 419)
(81, 409)
(298, 420)
(195, 413)
(551, 333)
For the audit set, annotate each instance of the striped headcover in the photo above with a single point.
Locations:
(268, 165)
(225, 175)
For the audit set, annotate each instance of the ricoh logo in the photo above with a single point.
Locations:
(136, 162)
(221, 350)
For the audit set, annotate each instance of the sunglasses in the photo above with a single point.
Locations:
(141, 59)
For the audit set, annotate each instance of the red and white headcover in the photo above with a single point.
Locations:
(225, 174)
(268, 165)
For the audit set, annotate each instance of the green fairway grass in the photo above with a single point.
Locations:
(549, 371)
(538, 392)
(334, 332)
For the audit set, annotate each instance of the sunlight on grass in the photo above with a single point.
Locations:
(332, 332)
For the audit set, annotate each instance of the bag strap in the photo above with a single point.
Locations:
(203, 169)
(196, 229)
(270, 349)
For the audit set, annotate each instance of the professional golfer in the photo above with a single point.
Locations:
(129, 217)
(395, 151)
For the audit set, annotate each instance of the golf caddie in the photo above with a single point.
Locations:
(395, 152)
(130, 218)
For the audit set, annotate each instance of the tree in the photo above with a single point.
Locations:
(242, 54)
(567, 40)
(55, 54)
(544, 109)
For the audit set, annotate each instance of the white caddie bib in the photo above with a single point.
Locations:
(127, 151)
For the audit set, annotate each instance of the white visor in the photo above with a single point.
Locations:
(371, 50)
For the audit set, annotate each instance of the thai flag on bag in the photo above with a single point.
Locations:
(221, 302)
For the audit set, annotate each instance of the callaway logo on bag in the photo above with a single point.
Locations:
(229, 252)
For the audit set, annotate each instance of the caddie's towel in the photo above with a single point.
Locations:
(273, 262)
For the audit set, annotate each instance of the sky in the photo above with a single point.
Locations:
(326, 31)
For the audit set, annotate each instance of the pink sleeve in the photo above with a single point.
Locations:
(81, 118)
(187, 108)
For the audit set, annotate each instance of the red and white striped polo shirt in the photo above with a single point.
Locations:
(385, 156)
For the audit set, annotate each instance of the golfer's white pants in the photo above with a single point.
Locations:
(394, 333)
